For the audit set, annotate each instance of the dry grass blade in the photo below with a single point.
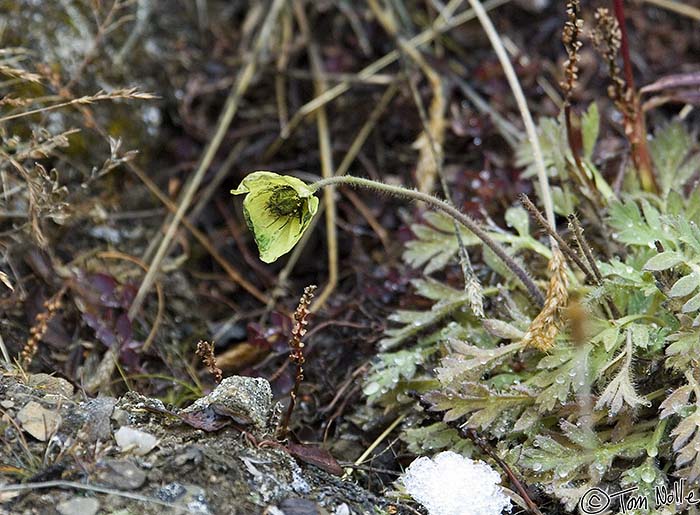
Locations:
(100, 96)
(442, 24)
(676, 7)
(229, 111)
(517, 90)
(70, 485)
(325, 148)
(19, 73)
(201, 237)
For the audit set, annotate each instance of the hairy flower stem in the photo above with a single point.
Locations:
(448, 209)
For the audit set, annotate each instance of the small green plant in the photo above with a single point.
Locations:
(593, 405)
(595, 409)
(593, 382)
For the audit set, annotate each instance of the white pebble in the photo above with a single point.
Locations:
(135, 441)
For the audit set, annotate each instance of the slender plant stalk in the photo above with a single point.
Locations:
(326, 152)
(530, 129)
(230, 109)
(638, 139)
(450, 210)
(568, 251)
(296, 355)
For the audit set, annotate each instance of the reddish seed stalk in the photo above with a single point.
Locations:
(624, 43)
(638, 139)
(296, 355)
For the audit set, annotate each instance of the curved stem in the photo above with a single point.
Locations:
(453, 212)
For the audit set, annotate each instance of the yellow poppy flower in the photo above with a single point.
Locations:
(278, 209)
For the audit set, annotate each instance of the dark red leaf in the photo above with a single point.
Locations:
(123, 329)
(206, 420)
(315, 456)
(103, 330)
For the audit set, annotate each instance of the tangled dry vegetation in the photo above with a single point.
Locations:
(123, 125)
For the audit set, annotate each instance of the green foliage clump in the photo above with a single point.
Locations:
(616, 401)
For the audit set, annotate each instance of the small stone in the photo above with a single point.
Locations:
(7, 404)
(51, 384)
(79, 506)
(135, 441)
(191, 453)
(192, 496)
(99, 410)
(247, 400)
(299, 506)
(120, 416)
(171, 492)
(121, 474)
(38, 421)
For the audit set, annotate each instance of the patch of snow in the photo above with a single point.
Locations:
(450, 484)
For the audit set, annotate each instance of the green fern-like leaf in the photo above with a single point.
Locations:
(448, 300)
(436, 437)
(636, 227)
(672, 153)
(486, 407)
(585, 456)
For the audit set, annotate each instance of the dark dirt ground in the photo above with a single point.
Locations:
(84, 236)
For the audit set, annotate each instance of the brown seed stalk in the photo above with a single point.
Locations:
(41, 325)
(205, 351)
(546, 325)
(296, 355)
(608, 38)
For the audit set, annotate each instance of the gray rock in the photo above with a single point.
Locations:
(133, 440)
(51, 384)
(121, 474)
(79, 506)
(38, 421)
(99, 410)
(192, 496)
(247, 400)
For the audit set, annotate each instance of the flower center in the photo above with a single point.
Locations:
(284, 201)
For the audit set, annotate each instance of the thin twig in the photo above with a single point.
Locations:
(89, 488)
(230, 108)
(566, 249)
(584, 247)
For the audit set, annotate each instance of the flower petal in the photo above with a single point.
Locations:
(264, 180)
(275, 234)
